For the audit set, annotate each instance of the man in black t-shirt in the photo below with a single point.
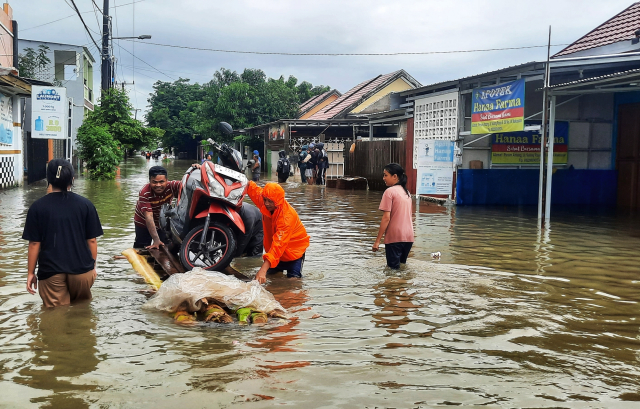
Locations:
(62, 228)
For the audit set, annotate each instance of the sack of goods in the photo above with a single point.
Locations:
(200, 295)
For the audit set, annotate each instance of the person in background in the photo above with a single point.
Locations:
(285, 238)
(207, 157)
(151, 197)
(302, 164)
(255, 169)
(283, 167)
(396, 224)
(323, 163)
(311, 164)
(62, 229)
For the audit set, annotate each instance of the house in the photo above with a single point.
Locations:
(594, 107)
(12, 88)
(72, 68)
(336, 120)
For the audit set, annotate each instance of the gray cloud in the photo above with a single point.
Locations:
(330, 26)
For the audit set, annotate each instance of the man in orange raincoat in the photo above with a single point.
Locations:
(285, 238)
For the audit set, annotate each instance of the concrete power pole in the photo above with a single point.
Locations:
(106, 58)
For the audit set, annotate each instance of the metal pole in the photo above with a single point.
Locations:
(552, 125)
(105, 68)
(545, 101)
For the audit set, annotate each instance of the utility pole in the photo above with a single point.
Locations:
(106, 58)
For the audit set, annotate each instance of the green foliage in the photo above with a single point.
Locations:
(174, 109)
(109, 131)
(185, 110)
(98, 148)
(32, 62)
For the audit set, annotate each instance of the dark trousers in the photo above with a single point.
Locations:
(303, 168)
(397, 253)
(293, 268)
(144, 239)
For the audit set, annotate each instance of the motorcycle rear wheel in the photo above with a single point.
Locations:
(216, 259)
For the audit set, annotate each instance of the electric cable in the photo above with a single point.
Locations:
(83, 23)
(140, 59)
(342, 54)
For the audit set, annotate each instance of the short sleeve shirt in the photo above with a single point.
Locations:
(400, 228)
(62, 223)
(148, 201)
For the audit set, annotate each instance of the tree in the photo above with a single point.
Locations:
(174, 109)
(98, 148)
(109, 131)
(244, 100)
(32, 62)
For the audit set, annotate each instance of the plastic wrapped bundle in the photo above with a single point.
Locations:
(191, 287)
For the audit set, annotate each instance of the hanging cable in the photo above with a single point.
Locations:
(83, 23)
(342, 54)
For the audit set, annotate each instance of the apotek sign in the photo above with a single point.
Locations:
(48, 112)
(499, 108)
(523, 148)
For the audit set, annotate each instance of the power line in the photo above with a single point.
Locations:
(73, 15)
(138, 58)
(83, 23)
(344, 54)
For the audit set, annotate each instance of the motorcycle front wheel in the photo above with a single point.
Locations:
(215, 255)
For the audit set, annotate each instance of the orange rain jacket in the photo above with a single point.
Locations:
(285, 237)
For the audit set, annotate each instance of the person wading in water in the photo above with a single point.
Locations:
(62, 228)
(396, 225)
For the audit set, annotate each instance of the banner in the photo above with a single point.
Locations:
(523, 148)
(49, 112)
(435, 167)
(499, 108)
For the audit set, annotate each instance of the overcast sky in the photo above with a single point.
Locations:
(308, 26)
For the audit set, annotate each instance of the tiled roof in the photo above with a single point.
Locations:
(354, 95)
(619, 28)
(309, 104)
(312, 101)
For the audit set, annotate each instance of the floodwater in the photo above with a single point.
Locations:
(507, 318)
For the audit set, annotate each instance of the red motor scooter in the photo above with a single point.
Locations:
(205, 221)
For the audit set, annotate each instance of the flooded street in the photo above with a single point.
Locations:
(508, 316)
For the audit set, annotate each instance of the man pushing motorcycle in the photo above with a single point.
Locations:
(159, 191)
(285, 238)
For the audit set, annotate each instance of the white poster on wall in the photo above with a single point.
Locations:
(6, 121)
(48, 112)
(435, 117)
(435, 167)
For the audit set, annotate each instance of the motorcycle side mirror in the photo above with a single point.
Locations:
(225, 128)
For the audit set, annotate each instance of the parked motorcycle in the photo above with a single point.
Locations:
(205, 220)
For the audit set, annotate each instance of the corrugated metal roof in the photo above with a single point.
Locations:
(595, 79)
(618, 28)
(354, 95)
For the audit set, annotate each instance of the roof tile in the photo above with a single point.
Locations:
(618, 28)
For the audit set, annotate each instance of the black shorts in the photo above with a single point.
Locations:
(144, 239)
(397, 253)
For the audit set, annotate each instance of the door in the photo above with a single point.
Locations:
(37, 156)
(628, 156)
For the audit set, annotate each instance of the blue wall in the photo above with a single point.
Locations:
(520, 187)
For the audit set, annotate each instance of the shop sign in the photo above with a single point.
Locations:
(48, 112)
(523, 148)
(435, 167)
(498, 109)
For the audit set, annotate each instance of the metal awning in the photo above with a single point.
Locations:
(623, 81)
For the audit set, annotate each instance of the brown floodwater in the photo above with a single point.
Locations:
(508, 317)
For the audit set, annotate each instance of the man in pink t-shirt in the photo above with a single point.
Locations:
(396, 224)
